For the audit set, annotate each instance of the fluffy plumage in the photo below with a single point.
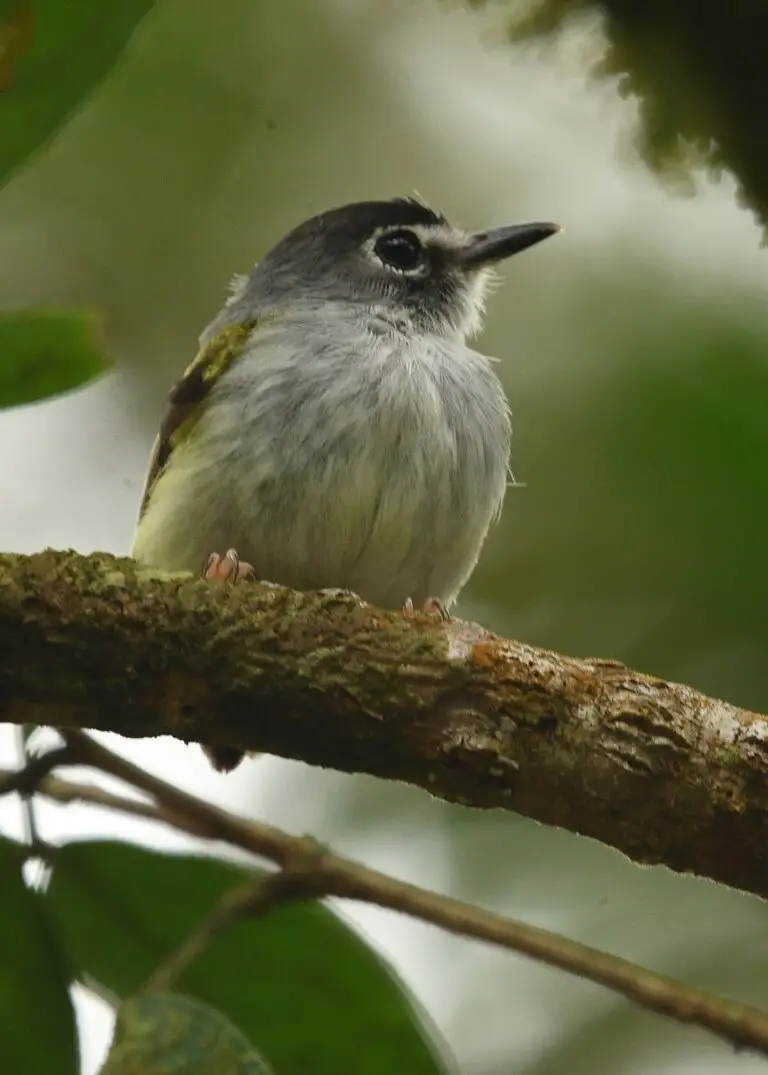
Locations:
(335, 428)
(378, 471)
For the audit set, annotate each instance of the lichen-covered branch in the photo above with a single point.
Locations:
(654, 769)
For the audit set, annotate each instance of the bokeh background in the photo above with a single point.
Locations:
(633, 349)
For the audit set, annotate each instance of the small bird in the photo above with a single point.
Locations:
(335, 428)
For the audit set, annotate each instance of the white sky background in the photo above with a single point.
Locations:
(493, 113)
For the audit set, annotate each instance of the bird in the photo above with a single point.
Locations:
(335, 429)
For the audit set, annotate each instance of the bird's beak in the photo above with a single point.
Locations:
(485, 247)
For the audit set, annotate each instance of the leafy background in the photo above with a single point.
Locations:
(634, 351)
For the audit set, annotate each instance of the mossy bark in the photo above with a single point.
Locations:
(654, 769)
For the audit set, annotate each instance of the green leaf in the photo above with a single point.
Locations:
(52, 55)
(45, 353)
(38, 1033)
(302, 986)
(167, 1034)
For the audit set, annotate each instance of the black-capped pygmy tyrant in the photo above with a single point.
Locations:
(335, 428)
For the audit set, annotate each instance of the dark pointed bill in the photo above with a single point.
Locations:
(485, 247)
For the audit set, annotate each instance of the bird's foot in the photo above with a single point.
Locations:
(433, 606)
(228, 568)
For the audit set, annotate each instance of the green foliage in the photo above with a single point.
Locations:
(300, 984)
(639, 534)
(45, 353)
(54, 52)
(37, 1024)
(167, 1034)
(640, 437)
(699, 72)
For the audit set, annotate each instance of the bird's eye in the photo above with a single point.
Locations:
(399, 249)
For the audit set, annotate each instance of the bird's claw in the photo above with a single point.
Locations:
(433, 606)
(228, 568)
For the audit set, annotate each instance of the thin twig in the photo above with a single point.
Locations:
(31, 831)
(252, 898)
(26, 779)
(331, 875)
(69, 791)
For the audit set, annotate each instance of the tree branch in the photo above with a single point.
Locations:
(248, 900)
(308, 870)
(654, 769)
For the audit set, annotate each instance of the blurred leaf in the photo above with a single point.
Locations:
(648, 455)
(699, 72)
(45, 353)
(52, 54)
(302, 986)
(37, 1023)
(167, 1034)
(17, 31)
(598, 1037)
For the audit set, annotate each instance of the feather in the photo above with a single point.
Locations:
(188, 397)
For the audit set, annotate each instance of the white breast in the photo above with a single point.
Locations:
(377, 470)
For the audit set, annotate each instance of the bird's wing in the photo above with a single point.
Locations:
(189, 395)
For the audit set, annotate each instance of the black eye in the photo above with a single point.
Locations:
(400, 249)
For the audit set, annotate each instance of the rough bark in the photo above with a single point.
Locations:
(655, 769)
